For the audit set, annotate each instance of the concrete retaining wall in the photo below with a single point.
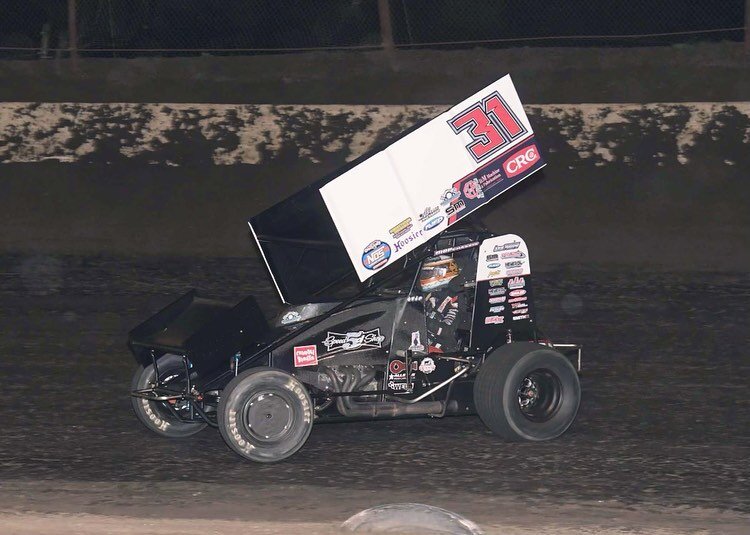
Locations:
(659, 184)
(225, 134)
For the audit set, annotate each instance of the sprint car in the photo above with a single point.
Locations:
(424, 318)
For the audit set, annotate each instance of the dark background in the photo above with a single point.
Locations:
(641, 256)
(131, 27)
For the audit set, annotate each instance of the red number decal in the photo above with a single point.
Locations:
(483, 131)
(491, 125)
(495, 106)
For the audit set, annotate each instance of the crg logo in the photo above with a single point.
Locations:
(521, 160)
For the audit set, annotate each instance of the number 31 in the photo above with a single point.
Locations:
(491, 125)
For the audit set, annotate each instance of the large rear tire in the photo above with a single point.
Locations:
(265, 415)
(527, 391)
(154, 414)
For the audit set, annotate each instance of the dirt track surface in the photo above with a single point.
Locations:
(661, 441)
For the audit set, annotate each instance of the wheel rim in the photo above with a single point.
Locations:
(539, 395)
(174, 379)
(268, 416)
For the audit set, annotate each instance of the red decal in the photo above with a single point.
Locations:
(305, 356)
(396, 367)
(521, 160)
(494, 104)
(485, 134)
(491, 125)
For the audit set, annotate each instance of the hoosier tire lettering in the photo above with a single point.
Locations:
(158, 422)
(154, 414)
(265, 414)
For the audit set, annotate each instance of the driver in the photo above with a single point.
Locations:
(441, 301)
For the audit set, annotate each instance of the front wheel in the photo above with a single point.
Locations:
(527, 391)
(265, 414)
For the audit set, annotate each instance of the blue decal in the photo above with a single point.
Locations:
(494, 265)
(376, 255)
(434, 222)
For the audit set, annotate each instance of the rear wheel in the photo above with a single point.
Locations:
(527, 391)
(155, 414)
(265, 415)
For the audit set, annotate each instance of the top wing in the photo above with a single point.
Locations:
(404, 195)
(393, 199)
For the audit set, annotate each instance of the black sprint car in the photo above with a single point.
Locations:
(429, 340)
(438, 320)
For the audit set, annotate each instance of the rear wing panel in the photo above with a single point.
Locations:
(428, 180)
(373, 211)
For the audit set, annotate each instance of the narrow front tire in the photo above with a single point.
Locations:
(155, 415)
(265, 415)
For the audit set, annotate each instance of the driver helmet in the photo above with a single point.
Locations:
(437, 272)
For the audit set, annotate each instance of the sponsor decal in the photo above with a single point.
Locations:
(494, 265)
(497, 310)
(416, 343)
(514, 271)
(290, 317)
(305, 356)
(497, 282)
(507, 246)
(448, 195)
(495, 273)
(487, 180)
(455, 207)
(434, 222)
(397, 374)
(376, 255)
(513, 254)
(456, 248)
(490, 320)
(495, 300)
(518, 162)
(517, 293)
(353, 340)
(517, 299)
(396, 367)
(406, 240)
(401, 229)
(516, 282)
(515, 304)
(514, 264)
(427, 365)
(496, 291)
(524, 317)
(492, 258)
(428, 213)
(521, 311)
(473, 190)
